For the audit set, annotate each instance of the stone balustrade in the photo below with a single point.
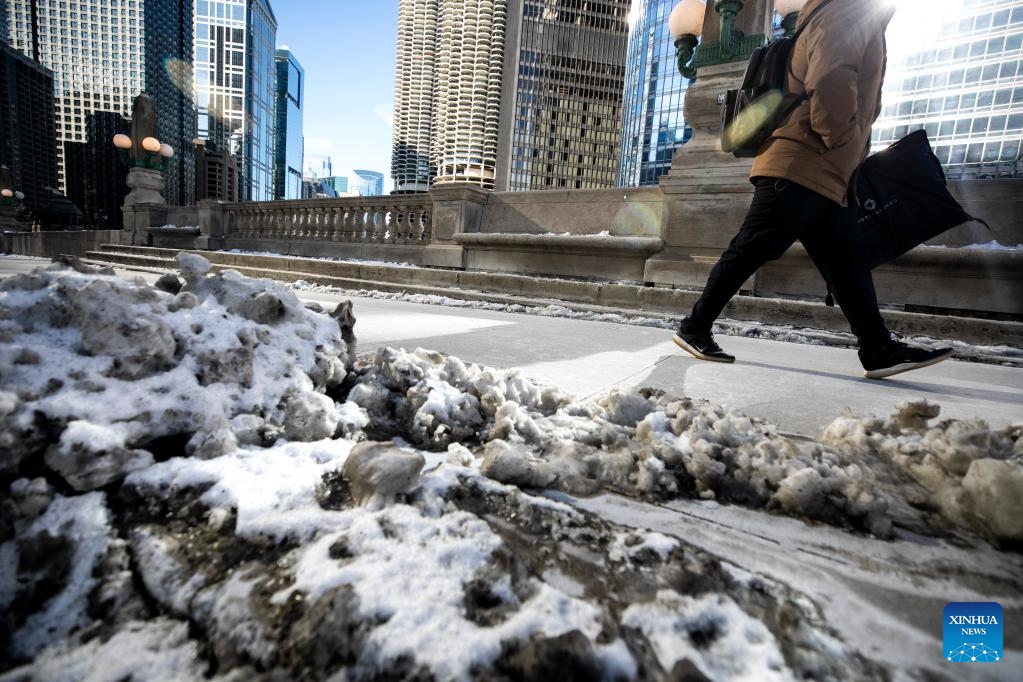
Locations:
(401, 219)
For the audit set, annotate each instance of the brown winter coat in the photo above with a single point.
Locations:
(840, 60)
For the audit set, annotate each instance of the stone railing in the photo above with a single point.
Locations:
(402, 219)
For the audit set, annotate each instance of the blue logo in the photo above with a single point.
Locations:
(972, 632)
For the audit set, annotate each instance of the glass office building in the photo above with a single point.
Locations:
(338, 183)
(289, 145)
(235, 77)
(955, 70)
(652, 123)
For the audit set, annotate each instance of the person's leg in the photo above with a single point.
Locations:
(834, 250)
(850, 280)
(778, 214)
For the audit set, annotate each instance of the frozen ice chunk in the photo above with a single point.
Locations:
(993, 494)
(377, 472)
(309, 416)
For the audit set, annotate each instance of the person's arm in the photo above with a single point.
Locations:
(835, 52)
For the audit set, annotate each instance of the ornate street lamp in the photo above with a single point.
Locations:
(11, 207)
(686, 23)
(8, 195)
(144, 154)
(730, 37)
(789, 11)
(156, 156)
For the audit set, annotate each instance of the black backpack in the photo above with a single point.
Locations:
(754, 111)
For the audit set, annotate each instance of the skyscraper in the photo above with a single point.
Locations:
(652, 123)
(103, 53)
(412, 167)
(508, 94)
(28, 130)
(957, 73)
(288, 141)
(167, 71)
(562, 106)
(234, 86)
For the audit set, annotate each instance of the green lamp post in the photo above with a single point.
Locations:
(686, 23)
(730, 37)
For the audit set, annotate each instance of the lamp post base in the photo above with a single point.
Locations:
(146, 185)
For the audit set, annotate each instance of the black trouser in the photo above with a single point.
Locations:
(782, 212)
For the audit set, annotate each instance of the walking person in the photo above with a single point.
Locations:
(801, 178)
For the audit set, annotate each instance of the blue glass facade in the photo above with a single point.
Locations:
(652, 123)
(235, 86)
(289, 145)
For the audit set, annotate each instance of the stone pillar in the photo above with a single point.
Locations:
(706, 192)
(212, 223)
(456, 209)
(138, 218)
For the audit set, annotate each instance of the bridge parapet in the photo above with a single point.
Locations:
(396, 219)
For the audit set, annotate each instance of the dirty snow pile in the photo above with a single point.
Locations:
(866, 474)
(201, 482)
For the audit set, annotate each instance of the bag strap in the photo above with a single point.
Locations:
(810, 18)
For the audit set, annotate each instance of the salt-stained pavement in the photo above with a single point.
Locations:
(799, 387)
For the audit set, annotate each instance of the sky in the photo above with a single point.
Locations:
(347, 48)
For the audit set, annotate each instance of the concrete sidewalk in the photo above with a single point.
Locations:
(801, 388)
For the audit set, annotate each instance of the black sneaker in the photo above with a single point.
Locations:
(702, 346)
(894, 357)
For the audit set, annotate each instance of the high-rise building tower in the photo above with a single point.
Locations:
(234, 86)
(288, 141)
(564, 80)
(28, 130)
(652, 123)
(508, 94)
(958, 73)
(103, 53)
(167, 72)
(412, 166)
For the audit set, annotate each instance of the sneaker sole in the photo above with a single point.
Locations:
(695, 353)
(905, 367)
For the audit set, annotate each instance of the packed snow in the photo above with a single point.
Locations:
(202, 480)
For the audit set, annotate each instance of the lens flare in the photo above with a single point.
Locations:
(637, 219)
(752, 117)
(180, 74)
